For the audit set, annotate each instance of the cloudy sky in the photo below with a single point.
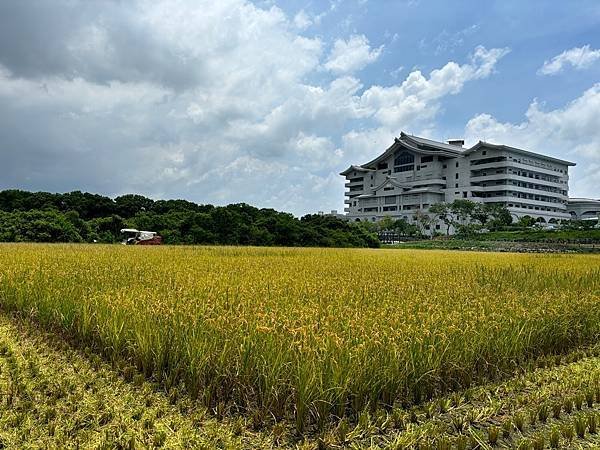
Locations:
(266, 102)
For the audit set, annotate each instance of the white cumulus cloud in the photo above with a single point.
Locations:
(351, 55)
(578, 57)
(216, 102)
(416, 100)
(302, 20)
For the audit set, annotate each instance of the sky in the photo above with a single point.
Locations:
(266, 102)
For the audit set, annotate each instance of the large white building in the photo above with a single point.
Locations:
(414, 173)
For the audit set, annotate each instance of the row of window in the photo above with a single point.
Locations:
(406, 168)
(537, 163)
(507, 182)
(537, 208)
(536, 176)
(479, 162)
(517, 195)
(393, 208)
(405, 162)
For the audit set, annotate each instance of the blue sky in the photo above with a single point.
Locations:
(266, 102)
(425, 35)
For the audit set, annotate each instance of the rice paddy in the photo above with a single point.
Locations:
(391, 348)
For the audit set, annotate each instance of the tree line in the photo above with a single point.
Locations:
(463, 216)
(85, 217)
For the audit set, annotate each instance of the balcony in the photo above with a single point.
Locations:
(527, 201)
(354, 183)
(512, 176)
(514, 164)
(353, 193)
(510, 187)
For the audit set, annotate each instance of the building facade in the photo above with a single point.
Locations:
(584, 208)
(415, 173)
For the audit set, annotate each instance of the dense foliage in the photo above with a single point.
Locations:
(83, 217)
(589, 236)
(467, 216)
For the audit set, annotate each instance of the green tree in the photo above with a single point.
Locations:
(386, 224)
(443, 212)
(108, 229)
(79, 216)
(131, 204)
(482, 213)
(491, 215)
(526, 221)
(462, 209)
(424, 221)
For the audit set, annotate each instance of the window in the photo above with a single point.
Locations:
(464, 195)
(418, 167)
(456, 185)
(437, 227)
(390, 200)
(402, 158)
(444, 166)
(389, 188)
(484, 152)
(426, 159)
(403, 161)
(456, 164)
(403, 168)
(382, 166)
(456, 176)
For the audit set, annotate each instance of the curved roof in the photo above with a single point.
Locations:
(429, 147)
(517, 150)
(354, 168)
(455, 149)
(414, 143)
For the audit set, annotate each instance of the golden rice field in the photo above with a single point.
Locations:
(307, 335)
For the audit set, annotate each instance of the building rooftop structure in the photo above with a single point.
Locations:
(415, 172)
